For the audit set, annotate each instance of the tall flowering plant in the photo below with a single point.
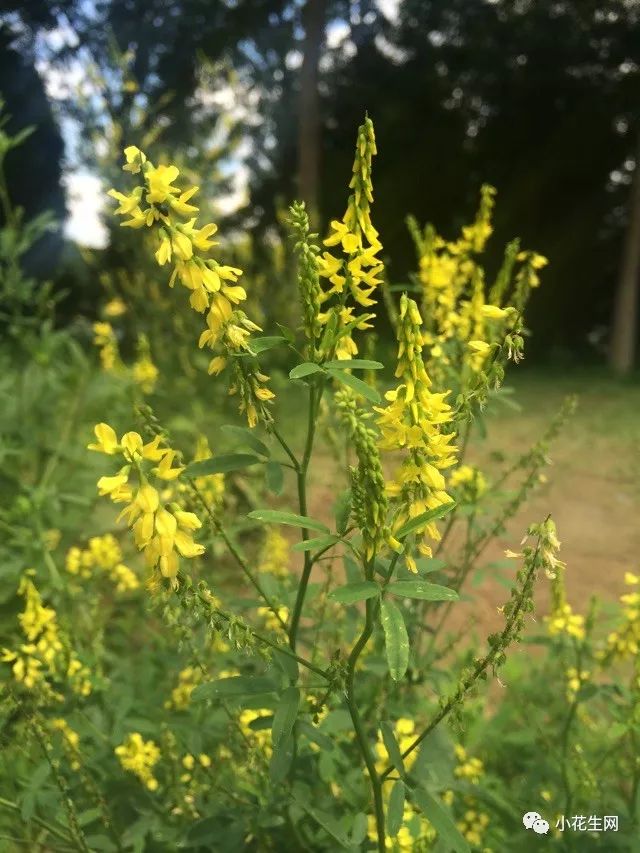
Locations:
(306, 690)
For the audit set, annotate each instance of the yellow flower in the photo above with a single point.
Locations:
(107, 439)
(139, 757)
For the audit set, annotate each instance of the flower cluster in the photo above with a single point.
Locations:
(562, 619)
(405, 733)
(357, 270)
(625, 641)
(271, 621)
(260, 738)
(139, 756)
(70, 741)
(157, 203)
(104, 554)
(415, 421)
(143, 370)
(44, 656)
(575, 679)
(210, 486)
(369, 501)
(469, 483)
(274, 554)
(473, 824)
(308, 272)
(104, 337)
(188, 680)
(161, 531)
(464, 323)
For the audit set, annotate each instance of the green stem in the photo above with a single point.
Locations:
(286, 448)
(218, 528)
(57, 833)
(361, 735)
(480, 668)
(271, 643)
(315, 395)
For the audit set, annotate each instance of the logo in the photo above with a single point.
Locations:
(535, 821)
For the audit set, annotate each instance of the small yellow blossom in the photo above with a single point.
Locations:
(139, 757)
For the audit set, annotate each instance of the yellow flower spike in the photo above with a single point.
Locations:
(631, 579)
(204, 760)
(107, 439)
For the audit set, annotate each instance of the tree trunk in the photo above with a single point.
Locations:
(313, 19)
(625, 315)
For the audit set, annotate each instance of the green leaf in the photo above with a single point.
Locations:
(351, 569)
(326, 821)
(274, 477)
(304, 369)
(356, 385)
(441, 819)
(312, 544)
(395, 809)
(396, 639)
(235, 685)
(342, 511)
(261, 344)
(352, 592)
(420, 520)
(423, 590)
(221, 464)
(281, 759)
(358, 363)
(359, 828)
(247, 437)
(207, 829)
(275, 516)
(426, 565)
(285, 715)
(392, 747)
(288, 333)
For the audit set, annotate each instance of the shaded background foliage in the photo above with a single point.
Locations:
(539, 99)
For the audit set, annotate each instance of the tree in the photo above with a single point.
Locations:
(625, 315)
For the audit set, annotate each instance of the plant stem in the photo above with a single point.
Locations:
(361, 735)
(315, 395)
(57, 833)
(271, 643)
(286, 448)
(479, 669)
(218, 528)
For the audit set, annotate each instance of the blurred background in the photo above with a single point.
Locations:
(260, 99)
(258, 102)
